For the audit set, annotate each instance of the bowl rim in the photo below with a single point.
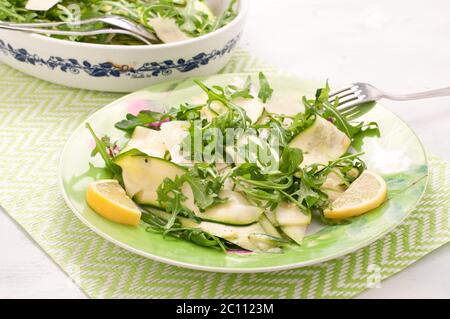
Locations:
(242, 13)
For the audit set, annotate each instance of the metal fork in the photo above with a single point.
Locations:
(123, 26)
(356, 94)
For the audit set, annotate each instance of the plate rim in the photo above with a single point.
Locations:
(187, 265)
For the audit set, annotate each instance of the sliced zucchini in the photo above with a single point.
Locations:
(292, 221)
(147, 141)
(288, 214)
(235, 211)
(172, 135)
(167, 30)
(40, 5)
(211, 111)
(202, 7)
(333, 186)
(265, 242)
(284, 107)
(215, 7)
(295, 232)
(238, 235)
(174, 132)
(253, 107)
(271, 217)
(281, 107)
(251, 237)
(143, 174)
(321, 143)
(268, 227)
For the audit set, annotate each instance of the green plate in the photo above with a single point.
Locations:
(397, 155)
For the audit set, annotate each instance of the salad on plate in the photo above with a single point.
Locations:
(235, 169)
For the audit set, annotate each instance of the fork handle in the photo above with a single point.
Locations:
(49, 24)
(417, 96)
(75, 33)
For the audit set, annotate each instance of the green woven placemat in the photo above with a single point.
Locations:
(37, 117)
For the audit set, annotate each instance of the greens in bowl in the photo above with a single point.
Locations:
(169, 20)
(235, 169)
(111, 66)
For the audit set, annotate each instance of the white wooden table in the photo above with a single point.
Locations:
(400, 46)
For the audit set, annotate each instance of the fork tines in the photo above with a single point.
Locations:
(348, 96)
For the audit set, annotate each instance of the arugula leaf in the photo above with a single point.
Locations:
(153, 120)
(356, 132)
(202, 238)
(277, 131)
(158, 224)
(365, 130)
(295, 124)
(129, 124)
(205, 185)
(322, 95)
(234, 117)
(308, 192)
(111, 147)
(248, 171)
(261, 188)
(145, 118)
(301, 121)
(185, 112)
(171, 198)
(243, 92)
(265, 91)
(203, 196)
(291, 158)
(102, 148)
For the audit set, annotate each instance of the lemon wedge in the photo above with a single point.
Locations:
(367, 192)
(108, 199)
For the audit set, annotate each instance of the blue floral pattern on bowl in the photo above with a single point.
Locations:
(108, 69)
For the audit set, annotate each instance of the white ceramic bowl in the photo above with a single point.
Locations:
(120, 68)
